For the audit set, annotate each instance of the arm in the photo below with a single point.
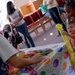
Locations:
(45, 2)
(23, 62)
(68, 15)
(49, 2)
(8, 18)
(8, 53)
(65, 33)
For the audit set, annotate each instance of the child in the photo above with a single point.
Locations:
(7, 31)
(19, 38)
(71, 33)
(12, 35)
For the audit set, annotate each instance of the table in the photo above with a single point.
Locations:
(59, 64)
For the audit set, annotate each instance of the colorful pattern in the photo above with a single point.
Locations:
(59, 63)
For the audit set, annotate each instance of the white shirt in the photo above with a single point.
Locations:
(51, 3)
(15, 16)
(6, 49)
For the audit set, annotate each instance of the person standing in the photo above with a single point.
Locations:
(54, 11)
(15, 17)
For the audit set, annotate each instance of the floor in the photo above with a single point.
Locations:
(44, 38)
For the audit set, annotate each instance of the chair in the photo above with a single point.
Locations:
(30, 24)
(44, 19)
(40, 12)
(59, 2)
(36, 18)
(28, 20)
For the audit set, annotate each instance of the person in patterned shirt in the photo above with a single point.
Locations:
(8, 55)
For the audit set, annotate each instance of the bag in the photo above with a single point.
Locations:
(43, 8)
(18, 38)
(4, 68)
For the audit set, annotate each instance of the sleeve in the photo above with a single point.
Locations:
(6, 49)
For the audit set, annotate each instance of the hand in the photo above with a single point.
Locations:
(64, 32)
(36, 58)
(68, 16)
(13, 25)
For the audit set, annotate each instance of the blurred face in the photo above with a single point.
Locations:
(71, 28)
(67, 9)
(70, 11)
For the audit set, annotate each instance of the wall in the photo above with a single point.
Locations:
(26, 6)
(19, 3)
(37, 3)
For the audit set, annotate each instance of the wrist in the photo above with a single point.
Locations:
(31, 62)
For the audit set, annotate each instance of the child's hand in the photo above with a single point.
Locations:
(64, 32)
(36, 58)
